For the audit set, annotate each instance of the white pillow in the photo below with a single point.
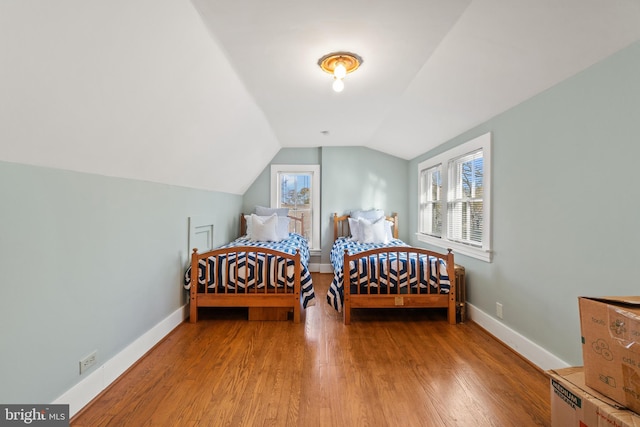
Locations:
(372, 214)
(247, 221)
(263, 211)
(373, 232)
(389, 228)
(354, 227)
(282, 229)
(263, 229)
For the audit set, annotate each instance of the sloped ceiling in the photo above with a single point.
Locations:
(432, 68)
(204, 93)
(126, 88)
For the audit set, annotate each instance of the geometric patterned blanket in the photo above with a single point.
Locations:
(394, 270)
(245, 271)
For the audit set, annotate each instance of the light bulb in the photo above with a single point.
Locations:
(338, 85)
(340, 71)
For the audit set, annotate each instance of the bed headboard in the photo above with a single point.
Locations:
(295, 226)
(341, 225)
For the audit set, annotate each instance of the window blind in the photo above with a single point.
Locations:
(431, 201)
(465, 198)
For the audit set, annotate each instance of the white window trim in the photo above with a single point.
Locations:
(483, 253)
(315, 195)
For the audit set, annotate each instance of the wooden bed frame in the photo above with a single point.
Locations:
(364, 298)
(265, 303)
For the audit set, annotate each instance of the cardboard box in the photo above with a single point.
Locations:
(611, 347)
(573, 404)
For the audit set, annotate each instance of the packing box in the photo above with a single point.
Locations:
(611, 347)
(573, 404)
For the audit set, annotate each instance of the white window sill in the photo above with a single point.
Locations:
(458, 248)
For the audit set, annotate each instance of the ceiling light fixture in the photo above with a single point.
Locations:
(339, 64)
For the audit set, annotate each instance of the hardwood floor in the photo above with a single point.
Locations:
(388, 368)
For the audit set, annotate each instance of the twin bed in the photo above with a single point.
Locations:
(266, 270)
(374, 269)
(269, 273)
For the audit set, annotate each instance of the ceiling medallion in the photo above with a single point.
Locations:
(339, 64)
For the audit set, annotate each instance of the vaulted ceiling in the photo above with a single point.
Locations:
(432, 68)
(203, 93)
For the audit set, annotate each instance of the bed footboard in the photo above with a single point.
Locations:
(245, 276)
(397, 277)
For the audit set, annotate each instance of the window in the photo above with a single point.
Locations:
(431, 201)
(454, 199)
(297, 187)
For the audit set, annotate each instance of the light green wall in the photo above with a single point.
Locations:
(360, 178)
(351, 178)
(565, 205)
(88, 263)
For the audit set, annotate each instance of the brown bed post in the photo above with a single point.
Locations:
(193, 291)
(395, 224)
(451, 272)
(243, 225)
(301, 225)
(346, 308)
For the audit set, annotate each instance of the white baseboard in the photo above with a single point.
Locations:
(87, 389)
(326, 268)
(518, 343)
(320, 268)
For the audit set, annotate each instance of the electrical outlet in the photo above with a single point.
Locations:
(88, 361)
(499, 310)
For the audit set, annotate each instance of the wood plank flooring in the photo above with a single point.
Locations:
(388, 368)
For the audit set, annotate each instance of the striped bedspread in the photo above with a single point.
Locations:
(251, 269)
(394, 269)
